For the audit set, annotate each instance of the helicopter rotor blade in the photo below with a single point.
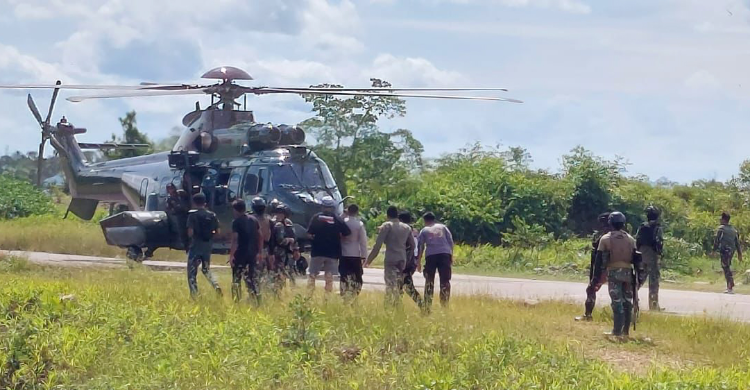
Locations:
(261, 91)
(34, 110)
(92, 87)
(52, 103)
(77, 99)
(388, 89)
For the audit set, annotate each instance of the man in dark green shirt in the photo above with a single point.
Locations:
(202, 226)
(727, 241)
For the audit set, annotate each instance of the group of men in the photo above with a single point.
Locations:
(625, 263)
(264, 246)
(339, 244)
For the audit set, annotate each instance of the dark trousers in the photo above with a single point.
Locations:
(350, 276)
(245, 272)
(408, 284)
(441, 263)
(726, 266)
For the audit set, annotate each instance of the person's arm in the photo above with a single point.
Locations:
(362, 242)
(739, 247)
(659, 240)
(384, 230)
(233, 247)
(343, 227)
(190, 223)
(410, 245)
(420, 245)
(449, 237)
(312, 226)
(259, 255)
(717, 239)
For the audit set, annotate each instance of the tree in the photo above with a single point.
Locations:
(518, 158)
(166, 144)
(131, 135)
(349, 139)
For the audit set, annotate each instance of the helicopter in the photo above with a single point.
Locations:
(222, 152)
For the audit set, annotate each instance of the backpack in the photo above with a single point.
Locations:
(206, 223)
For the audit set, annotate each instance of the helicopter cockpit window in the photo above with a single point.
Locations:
(296, 175)
(330, 182)
(251, 184)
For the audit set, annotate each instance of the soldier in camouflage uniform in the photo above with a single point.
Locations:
(650, 243)
(283, 244)
(596, 278)
(615, 252)
(727, 241)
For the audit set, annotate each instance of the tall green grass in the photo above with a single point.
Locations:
(137, 329)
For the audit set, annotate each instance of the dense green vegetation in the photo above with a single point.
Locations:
(132, 329)
(19, 198)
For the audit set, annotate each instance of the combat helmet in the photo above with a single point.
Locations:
(616, 217)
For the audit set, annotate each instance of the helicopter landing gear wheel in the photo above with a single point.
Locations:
(134, 253)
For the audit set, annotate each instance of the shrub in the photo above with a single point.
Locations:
(19, 198)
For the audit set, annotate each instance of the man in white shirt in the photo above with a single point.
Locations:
(353, 254)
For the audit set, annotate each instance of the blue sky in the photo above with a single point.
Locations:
(663, 84)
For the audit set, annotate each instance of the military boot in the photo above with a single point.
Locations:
(617, 326)
(589, 306)
(627, 317)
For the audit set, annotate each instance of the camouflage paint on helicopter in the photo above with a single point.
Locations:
(222, 152)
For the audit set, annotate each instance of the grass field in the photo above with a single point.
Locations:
(116, 329)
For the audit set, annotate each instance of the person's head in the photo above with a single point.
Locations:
(258, 206)
(239, 207)
(171, 189)
(725, 217)
(604, 220)
(199, 200)
(429, 218)
(352, 210)
(405, 217)
(652, 213)
(280, 211)
(329, 205)
(392, 212)
(617, 220)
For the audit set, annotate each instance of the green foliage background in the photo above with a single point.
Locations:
(18, 198)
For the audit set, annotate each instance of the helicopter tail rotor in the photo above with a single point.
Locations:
(46, 129)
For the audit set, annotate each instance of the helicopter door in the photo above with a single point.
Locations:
(233, 187)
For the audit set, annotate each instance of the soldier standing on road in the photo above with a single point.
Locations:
(596, 277)
(283, 246)
(353, 254)
(650, 242)
(412, 264)
(727, 241)
(616, 250)
(326, 229)
(244, 253)
(399, 245)
(202, 227)
(436, 244)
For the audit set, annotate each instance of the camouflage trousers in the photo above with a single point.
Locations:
(726, 266)
(653, 270)
(620, 285)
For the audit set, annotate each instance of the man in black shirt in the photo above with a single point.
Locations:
(244, 254)
(202, 227)
(326, 229)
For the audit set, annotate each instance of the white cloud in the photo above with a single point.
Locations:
(412, 72)
(572, 6)
(702, 80)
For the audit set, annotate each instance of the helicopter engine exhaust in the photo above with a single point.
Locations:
(291, 135)
(263, 135)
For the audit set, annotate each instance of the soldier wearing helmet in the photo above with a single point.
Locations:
(596, 277)
(283, 243)
(650, 243)
(615, 253)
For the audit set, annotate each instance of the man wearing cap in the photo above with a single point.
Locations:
(202, 226)
(326, 229)
(596, 276)
(399, 245)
